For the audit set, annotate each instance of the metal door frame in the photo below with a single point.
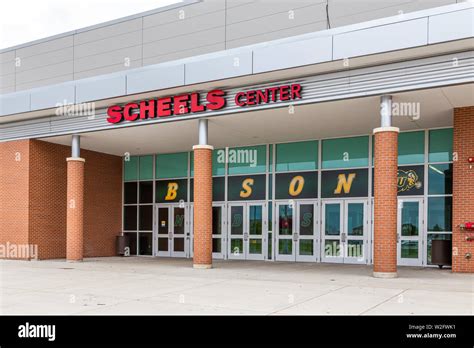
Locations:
(420, 238)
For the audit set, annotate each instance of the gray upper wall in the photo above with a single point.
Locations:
(179, 31)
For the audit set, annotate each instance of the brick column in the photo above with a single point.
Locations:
(463, 188)
(385, 202)
(202, 206)
(75, 209)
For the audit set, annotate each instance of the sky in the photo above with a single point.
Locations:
(27, 20)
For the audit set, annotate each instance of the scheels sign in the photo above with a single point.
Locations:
(191, 103)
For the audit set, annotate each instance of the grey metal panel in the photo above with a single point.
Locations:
(451, 26)
(381, 39)
(197, 9)
(154, 78)
(45, 59)
(102, 60)
(45, 47)
(44, 82)
(194, 40)
(7, 68)
(289, 18)
(293, 54)
(130, 39)
(389, 78)
(100, 88)
(14, 103)
(100, 72)
(179, 29)
(229, 65)
(44, 98)
(260, 9)
(5, 90)
(44, 72)
(275, 35)
(7, 57)
(7, 81)
(188, 52)
(108, 31)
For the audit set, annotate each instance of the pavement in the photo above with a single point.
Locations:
(146, 285)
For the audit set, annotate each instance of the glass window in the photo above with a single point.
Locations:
(411, 147)
(145, 243)
(440, 214)
(172, 165)
(130, 193)
(440, 179)
(436, 236)
(297, 156)
(132, 242)
(345, 152)
(146, 191)
(270, 158)
(218, 162)
(246, 160)
(146, 167)
(130, 168)
(441, 145)
(146, 217)
(130, 218)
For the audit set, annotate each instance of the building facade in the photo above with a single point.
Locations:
(304, 131)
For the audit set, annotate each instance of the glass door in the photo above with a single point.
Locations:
(332, 232)
(284, 248)
(253, 236)
(218, 235)
(236, 231)
(178, 231)
(305, 236)
(409, 232)
(246, 231)
(163, 231)
(355, 231)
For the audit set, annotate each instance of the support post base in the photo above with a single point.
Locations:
(386, 275)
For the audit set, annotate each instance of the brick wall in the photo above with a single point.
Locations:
(33, 198)
(463, 187)
(14, 190)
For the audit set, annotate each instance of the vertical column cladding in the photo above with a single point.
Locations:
(202, 206)
(75, 209)
(385, 202)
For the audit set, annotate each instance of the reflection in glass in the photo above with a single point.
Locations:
(179, 221)
(306, 220)
(163, 244)
(410, 218)
(132, 242)
(178, 244)
(216, 245)
(285, 247)
(306, 247)
(436, 236)
(255, 246)
(332, 219)
(440, 214)
(285, 220)
(255, 219)
(237, 220)
(236, 246)
(409, 249)
(355, 219)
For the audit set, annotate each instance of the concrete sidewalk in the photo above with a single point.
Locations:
(171, 286)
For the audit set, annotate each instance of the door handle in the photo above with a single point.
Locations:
(246, 236)
(295, 237)
(398, 237)
(343, 237)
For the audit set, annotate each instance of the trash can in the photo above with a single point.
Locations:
(441, 252)
(122, 242)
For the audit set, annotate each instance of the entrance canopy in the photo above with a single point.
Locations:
(422, 109)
